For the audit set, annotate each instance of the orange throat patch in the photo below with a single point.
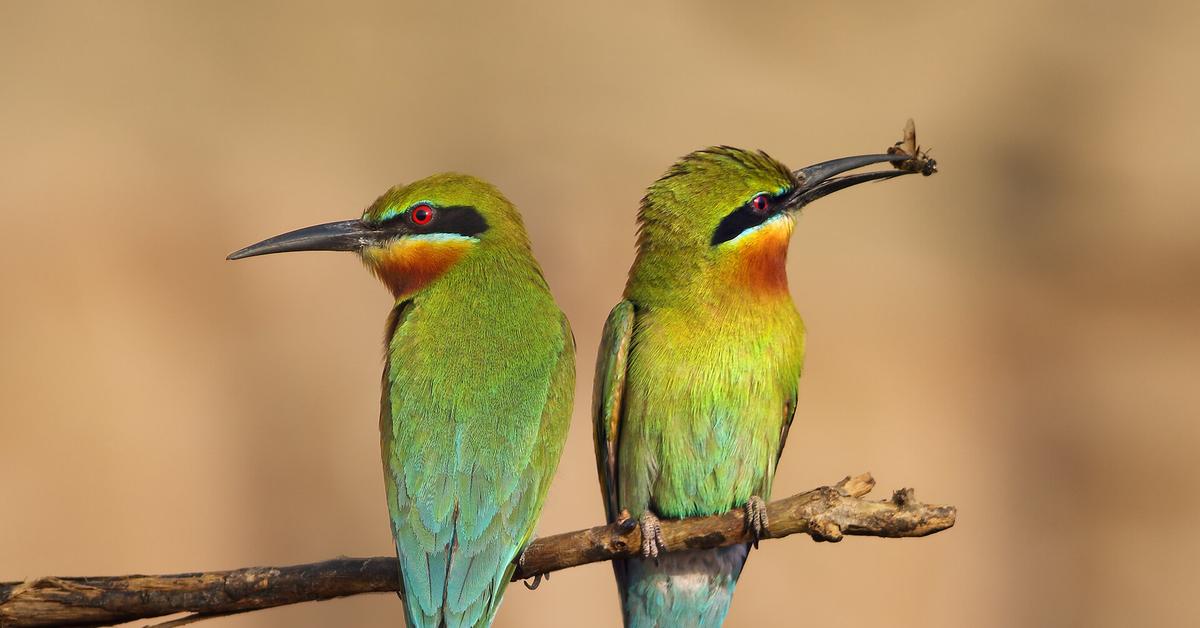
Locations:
(412, 263)
(758, 259)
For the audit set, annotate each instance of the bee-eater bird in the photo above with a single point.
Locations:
(478, 382)
(696, 376)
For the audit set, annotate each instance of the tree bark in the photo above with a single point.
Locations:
(826, 513)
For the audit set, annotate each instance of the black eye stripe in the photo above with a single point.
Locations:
(745, 217)
(456, 219)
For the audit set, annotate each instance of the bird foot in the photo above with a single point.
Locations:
(652, 539)
(537, 581)
(756, 518)
(537, 578)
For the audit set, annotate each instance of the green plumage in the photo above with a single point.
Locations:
(477, 394)
(478, 382)
(696, 376)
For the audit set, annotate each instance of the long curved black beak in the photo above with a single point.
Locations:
(346, 235)
(821, 179)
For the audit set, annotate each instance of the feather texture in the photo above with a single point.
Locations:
(696, 376)
(477, 393)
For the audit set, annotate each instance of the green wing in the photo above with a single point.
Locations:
(607, 396)
(552, 434)
(789, 413)
(466, 493)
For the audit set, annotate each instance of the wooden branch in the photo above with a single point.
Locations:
(826, 514)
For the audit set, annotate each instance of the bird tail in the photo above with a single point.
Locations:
(454, 587)
(689, 589)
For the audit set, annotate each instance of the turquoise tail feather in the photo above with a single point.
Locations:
(691, 589)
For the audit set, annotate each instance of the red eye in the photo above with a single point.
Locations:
(759, 204)
(421, 214)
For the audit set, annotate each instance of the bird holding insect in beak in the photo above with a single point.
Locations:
(696, 375)
(478, 381)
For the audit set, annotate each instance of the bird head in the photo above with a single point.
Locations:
(732, 211)
(413, 234)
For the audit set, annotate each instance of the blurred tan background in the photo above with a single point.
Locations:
(1016, 336)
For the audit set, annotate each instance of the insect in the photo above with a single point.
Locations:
(919, 160)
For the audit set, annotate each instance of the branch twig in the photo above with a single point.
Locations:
(825, 513)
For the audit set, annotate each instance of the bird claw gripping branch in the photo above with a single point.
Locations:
(537, 581)
(652, 537)
(756, 518)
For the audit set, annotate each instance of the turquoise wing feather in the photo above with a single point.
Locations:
(471, 439)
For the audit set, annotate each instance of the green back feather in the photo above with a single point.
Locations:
(476, 402)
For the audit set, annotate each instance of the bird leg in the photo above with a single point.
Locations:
(756, 518)
(652, 538)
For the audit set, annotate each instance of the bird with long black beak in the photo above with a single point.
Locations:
(697, 370)
(478, 381)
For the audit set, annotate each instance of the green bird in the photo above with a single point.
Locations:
(696, 376)
(478, 382)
